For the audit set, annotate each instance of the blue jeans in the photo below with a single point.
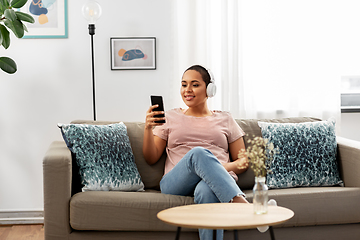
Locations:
(201, 175)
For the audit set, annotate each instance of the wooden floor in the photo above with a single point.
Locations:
(23, 232)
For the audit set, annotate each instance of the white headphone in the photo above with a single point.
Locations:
(211, 87)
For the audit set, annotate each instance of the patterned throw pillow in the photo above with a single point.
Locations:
(307, 154)
(104, 156)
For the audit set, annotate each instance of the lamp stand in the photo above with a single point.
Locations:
(92, 33)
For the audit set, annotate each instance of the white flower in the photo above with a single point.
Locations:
(260, 154)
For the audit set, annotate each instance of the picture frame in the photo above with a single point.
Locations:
(51, 18)
(133, 53)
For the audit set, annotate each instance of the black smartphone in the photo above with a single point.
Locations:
(159, 101)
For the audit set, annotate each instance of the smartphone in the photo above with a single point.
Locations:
(159, 101)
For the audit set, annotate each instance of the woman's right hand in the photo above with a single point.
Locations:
(150, 117)
(153, 146)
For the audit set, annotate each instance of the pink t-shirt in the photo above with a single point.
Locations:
(183, 132)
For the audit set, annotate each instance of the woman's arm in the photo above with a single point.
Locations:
(153, 146)
(238, 165)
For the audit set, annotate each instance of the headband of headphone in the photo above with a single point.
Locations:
(212, 79)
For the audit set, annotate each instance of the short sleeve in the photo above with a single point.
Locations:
(235, 131)
(161, 131)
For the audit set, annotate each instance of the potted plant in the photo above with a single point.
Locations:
(11, 19)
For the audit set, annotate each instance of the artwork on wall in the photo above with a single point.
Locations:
(133, 53)
(50, 18)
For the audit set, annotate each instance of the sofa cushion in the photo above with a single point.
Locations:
(252, 129)
(150, 174)
(136, 211)
(125, 211)
(104, 156)
(306, 154)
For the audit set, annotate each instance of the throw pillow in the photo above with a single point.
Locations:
(306, 156)
(104, 156)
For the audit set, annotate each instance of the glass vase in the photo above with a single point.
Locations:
(260, 196)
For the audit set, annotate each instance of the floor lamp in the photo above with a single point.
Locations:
(92, 11)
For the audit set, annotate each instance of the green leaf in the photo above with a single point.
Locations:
(5, 4)
(18, 3)
(10, 14)
(25, 17)
(8, 65)
(2, 9)
(15, 26)
(5, 36)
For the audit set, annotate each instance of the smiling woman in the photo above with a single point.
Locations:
(198, 143)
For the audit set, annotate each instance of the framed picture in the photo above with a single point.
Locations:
(50, 19)
(133, 53)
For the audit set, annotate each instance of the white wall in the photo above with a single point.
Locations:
(53, 84)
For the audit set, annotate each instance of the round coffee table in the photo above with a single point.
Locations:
(227, 216)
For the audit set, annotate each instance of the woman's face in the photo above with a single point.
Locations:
(193, 89)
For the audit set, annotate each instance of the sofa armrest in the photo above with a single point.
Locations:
(57, 172)
(349, 161)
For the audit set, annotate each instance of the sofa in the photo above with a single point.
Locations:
(320, 212)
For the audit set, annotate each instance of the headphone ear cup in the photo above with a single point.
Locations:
(211, 90)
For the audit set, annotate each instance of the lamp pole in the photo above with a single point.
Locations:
(92, 11)
(92, 33)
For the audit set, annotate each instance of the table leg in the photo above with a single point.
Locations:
(214, 234)
(272, 233)
(178, 233)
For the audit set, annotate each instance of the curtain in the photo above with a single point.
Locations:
(270, 59)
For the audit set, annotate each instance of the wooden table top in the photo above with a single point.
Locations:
(223, 216)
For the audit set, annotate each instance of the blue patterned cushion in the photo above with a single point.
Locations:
(104, 156)
(307, 154)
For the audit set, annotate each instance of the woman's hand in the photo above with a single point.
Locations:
(150, 117)
(153, 146)
(242, 163)
(238, 166)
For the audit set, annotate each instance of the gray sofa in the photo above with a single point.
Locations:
(320, 212)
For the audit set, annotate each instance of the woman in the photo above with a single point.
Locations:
(198, 143)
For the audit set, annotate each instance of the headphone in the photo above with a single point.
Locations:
(211, 87)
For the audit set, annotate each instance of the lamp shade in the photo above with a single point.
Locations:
(91, 11)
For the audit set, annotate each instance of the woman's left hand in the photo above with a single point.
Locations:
(238, 166)
(242, 163)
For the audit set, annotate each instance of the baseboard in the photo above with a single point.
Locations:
(12, 217)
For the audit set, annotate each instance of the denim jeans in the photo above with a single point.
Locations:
(201, 175)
